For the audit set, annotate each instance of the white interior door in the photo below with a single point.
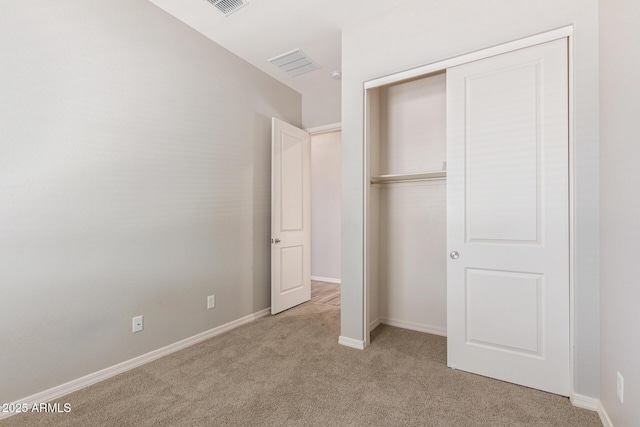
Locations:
(508, 217)
(290, 216)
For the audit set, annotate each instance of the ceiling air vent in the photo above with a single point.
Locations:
(228, 6)
(294, 63)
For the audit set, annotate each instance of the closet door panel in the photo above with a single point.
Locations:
(508, 218)
(503, 170)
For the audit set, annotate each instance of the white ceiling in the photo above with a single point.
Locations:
(267, 28)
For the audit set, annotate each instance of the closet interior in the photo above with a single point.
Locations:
(406, 204)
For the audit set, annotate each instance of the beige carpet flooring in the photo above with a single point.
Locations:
(288, 370)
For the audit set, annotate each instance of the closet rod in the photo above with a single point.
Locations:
(409, 177)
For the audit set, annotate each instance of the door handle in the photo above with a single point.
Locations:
(276, 241)
(454, 255)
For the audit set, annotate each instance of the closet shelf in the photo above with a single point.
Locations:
(409, 177)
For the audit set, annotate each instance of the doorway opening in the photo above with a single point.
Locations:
(305, 211)
(326, 214)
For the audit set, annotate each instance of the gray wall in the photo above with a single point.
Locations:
(321, 106)
(326, 153)
(619, 208)
(134, 179)
(422, 32)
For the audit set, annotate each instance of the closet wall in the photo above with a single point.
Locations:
(407, 218)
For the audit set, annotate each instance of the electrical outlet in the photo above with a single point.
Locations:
(138, 323)
(620, 387)
(211, 301)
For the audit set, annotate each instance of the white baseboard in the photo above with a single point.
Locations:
(428, 329)
(592, 404)
(374, 324)
(350, 342)
(584, 402)
(325, 279)
(80, 383)
(604, 417)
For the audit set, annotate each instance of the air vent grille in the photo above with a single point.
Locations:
(228, 6)
(294, 63)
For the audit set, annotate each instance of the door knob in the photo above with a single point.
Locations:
(276, 241)
(454, 255)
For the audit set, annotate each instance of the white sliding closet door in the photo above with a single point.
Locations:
(508, 217)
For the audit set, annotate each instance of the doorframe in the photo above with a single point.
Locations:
(331, 127)
(442, 65)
